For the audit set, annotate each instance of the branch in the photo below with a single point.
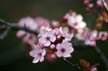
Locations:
(4, 34)
(78, 67)
(105, 5)
(14, 26)
(102, 56)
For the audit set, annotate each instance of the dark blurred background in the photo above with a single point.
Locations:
(13, 54)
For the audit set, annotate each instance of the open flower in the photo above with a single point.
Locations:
(58, 32)
(38, 54)
(64, 49)
(46, 38)
(76, 22)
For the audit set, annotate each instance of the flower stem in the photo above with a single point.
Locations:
(73, 65)
(102, 56)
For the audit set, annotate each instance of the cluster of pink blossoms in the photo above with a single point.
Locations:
(90, 5)
(53, 40)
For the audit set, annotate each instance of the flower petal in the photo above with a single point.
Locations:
(35, 61)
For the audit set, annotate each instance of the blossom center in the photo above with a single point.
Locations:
(47, 38)
(40, 54)
(63, 50)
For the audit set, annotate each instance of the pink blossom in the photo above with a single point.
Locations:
(30, 38)
(76, 22)
(42, 22)
(90, 6)
(69, 14)
(52, 46)
(55, 23)
(58, 32)
(38, 54)
(51, 57)
(71, 21)
(94, 69)
(102, 36)
(66, 34)
(93, 35)
(86, 2)
(20, 34)
(28, 22)
(99, 3)
(64, 49)
(90, 42)
(46, 38)
(82, 34)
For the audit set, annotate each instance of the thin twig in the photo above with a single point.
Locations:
(4, 34)
(16, 27)
(73, 65)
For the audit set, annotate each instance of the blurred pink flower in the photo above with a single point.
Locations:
(86, 2)
(51, 57)
(28, 22)
(55, 24)
(42, 22)
(30, 38)
(99, 3)
(69, 14)
(82, 34)
(94, 69)
(76, 22)
(20, 34)
(90, 42)
(93, 35)
(102, 36)
(90, 6)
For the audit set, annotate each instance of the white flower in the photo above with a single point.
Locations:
(90, 42)
(76, 22)
(68, 36)
(38, 55)
(58, 32)
(82, 34)
(78, 18)
(93, 35)
(46, 38)
(55, 23)
(65, 33)
(71, 21)
(64, 49)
